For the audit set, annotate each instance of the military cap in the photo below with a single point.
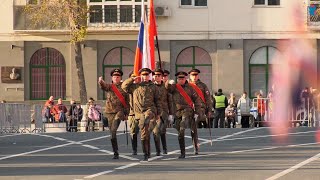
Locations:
(194, 71)
(145, 70)
(158, 72)
(181, 74)
(116, 72)
(166, 72)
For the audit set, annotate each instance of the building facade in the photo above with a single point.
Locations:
(231, 42)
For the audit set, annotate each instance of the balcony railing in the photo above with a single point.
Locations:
(98, 17)
(114, 17)
(313, 16)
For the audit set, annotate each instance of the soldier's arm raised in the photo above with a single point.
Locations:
(128, 85)
(103, 85)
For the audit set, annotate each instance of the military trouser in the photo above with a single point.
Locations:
(134, 130)
(163, 131)
(154, 127)
(144, 120)
(114, 120)
(186, 120)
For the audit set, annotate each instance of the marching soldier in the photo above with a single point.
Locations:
(170, 101)
(204, 94)
(146, 105)
(133, 123)
(162, 125)
(188, 106)
(117, 107)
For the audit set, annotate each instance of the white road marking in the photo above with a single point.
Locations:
(171, 152)
(89, 146)
(49, 148)
(295, 167)
(127, 166)
(35, 151)
(9, 135)
(98, 174)
(121, 155)
(93, 147)
(60, 139)
(246, 150)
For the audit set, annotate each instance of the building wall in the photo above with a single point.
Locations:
(12, 57)
(229, 66)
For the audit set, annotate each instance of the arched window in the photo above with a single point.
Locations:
(261, 62)
(119, 57)
(47, 74)
(196, 57)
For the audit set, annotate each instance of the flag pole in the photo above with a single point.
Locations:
(158, 48)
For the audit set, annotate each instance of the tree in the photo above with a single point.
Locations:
(64, 14)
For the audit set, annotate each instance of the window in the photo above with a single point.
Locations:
(260, 66)
(119, 57)
(95, 14)
(193, 2)
(267, 2)
(47, 74)
(115, 11)
(196, 57)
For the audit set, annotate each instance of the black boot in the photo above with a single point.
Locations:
(195, 142)
(115, 148)
(144, 145)
(157, 144)
(164, 143)
(134, 144)
(182, 148)
(148, 148)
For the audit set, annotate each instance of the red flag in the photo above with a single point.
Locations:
(152, 31)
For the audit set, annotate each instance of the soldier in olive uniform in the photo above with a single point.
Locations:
(117, 106)
(172, 111)
(162, 125)
(188, 105)
(133, 123)
(146, 104)
(204, 95)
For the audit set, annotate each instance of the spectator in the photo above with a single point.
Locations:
(231, 111)
(220, 102)
(75, 115)
(59, 111)
(244, 106)
(261, 111)
(47, 111)
(93, 114)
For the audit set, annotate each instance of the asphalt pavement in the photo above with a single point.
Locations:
(234, 154)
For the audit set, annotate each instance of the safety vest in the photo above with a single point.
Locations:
(220, 101)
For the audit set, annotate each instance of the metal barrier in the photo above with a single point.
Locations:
(15, 118)
(306, 114)
(24, 118)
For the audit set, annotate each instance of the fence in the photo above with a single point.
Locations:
(15, 118)
(24, 118)
(306, 114)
